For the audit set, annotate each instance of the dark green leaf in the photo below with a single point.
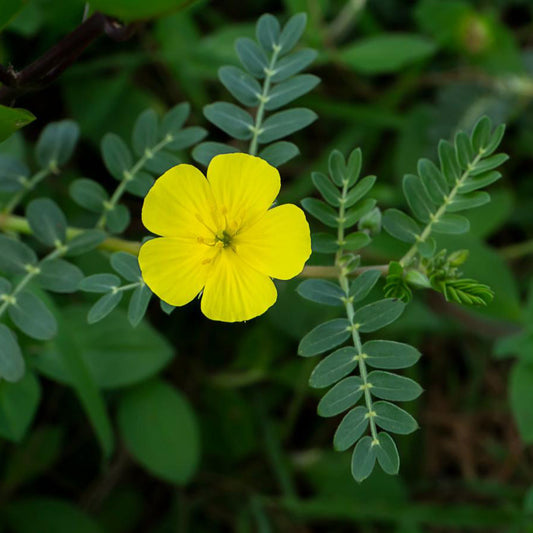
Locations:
(186, 138)
(391, 418)
(47, 221)
(360, 190)
(333, 367)
(15, 256)
(468, 201)
(231, 119)
(378, 314)
(292, 32)
(353, 215)
(252, 57)
(127, 265)
(433, 180)
(12, 119)
(489, 163)
(356, 241)
(292, 64)
(157, 163)
(387, 454)
(144, 136)
(324, 337)
(12, 364)
(117, 156)
(104, 306)
(56, 143)
(329, 192)
(463, 150)
(352, 426)
(337, 167)
(453, 224)
(138, 304)
(84, 242)
(100, 283)
(241, 85)
(170, 449)
(481, 133)
(284, 123)
(418, 198)
(279, 153)
(142, 181)
(13, 173)
(353, 168)
(174, 119)
(88, 194)
(400, 225)
(290, 90)
(267, 32)
(118, 218)
(324, 243)
(58, 275)
(448, 163)
(480, 181)
(521, 398)
(363, 459)
(321, 211)
(388, 386)
(203, 153)
(341, 397)
(32, 317)
(390, 354)
(363, 284)
(321, 291)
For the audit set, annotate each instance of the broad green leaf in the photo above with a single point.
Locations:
(158, 163)
(387, 52)
(89, 194)
(138, 9)
(388, 386)
(521, 398)
(290, 90)
(204, 152)
(13, 173)
(448, 163)
(342, 396)
(363, 284)
(284, 123)
(18, 405)
(435, 183)
(352, 426)
(337, 168)
(186, 138)
(333, 367)
(324, 337)
(418, 198)
(100, 283)
(54, 516)
(480, 181)
(127, 265)
(174, 119)
(145, 130)
(118, 218)
(329, 192)
(390, 354)
(488, 163)
(142, 181)
(47, 222)
(12, 119)
(279, 153)
(138, 304)
(114, 354)
(481, 133)
(166, 308)
(494, 140)
(32, 317)
(452, 224)
(292, 32)
(378, 314)
(321, 291)
(104, 306)
(400, 225)
(353, 215)
(170, 449)
(58, 275)
(387, 454)
(468, 201)
(252, 57)
(233, 120)
(267, 32)
(354, 165)
(56, 143)
(363, 459)
(322, 211)
(394, 419)
(116, 155)
(360, 190)
(8, 10)
(15, 256)
(12, 364)
(84, 242)
(241, 85)
(324, 243)
(292, 64)
(356, 241)
(463, 149)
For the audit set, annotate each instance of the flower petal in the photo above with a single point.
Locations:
(175, 269)
(243, 185)
(278, 244)
(180, 203)
(235, 291)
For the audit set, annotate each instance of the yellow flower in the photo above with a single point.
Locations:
(220, 235)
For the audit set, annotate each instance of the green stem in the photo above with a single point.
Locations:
(343, 278)
(32, 271)
(29, 185)
(129, 175)
(441, 211)
(263, 99)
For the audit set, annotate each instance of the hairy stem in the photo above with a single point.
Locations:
(129, 176)
(263, 99)
(440, 211)
(343, 277)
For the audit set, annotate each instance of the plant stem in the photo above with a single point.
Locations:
(515, 251)
(32, 271)
(263, 99)
(441, 211)
(29, 185)
(129, 176)
(343, 273)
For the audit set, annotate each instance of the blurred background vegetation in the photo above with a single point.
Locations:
(396, 77)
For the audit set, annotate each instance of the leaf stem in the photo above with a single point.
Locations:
(263, 99)
(343, 276)
(129, 176)
(29, 185)
(441, 211)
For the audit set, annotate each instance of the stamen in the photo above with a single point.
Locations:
(206, 261)
(201, 220)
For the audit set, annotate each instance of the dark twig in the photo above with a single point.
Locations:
(50, 65)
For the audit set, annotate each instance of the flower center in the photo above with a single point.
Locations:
(224, 238)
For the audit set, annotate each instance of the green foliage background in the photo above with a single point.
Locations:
(181, 424)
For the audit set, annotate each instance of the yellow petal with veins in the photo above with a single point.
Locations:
(176, 269)
(180, 203)
(278, 244)
(234, 291)
(243, 186)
